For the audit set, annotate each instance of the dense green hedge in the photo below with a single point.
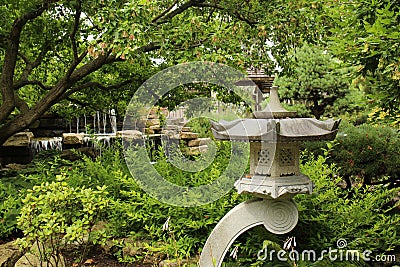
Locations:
(366, 153)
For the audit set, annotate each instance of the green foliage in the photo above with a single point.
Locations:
(366, 219)
(145, 216)
(353, 107)
(365, 153)
(366, 35)
(314, 78)
(55, 214)
(10, 204)
(66, 207)
(202, 126)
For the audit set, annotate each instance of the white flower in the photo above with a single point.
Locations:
(234, 252)
(166, 225)
(290, 243)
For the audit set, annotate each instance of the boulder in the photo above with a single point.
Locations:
(204, 141)
(197, 150)
(193, 143)
(29, 260)
(32, 259)
(155, 127)
(186, 129)
(19, 139)
(199, 142)
(149, 131)
(9, 254)
(130, 134)
(16, 166)
(171, 128)
(73, 138)
(71, 155)
(189, 135)
(152, 122)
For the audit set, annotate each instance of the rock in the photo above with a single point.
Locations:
(15, 166)
(175, 121)
(186, 129)
(197, 150)
(155, 127)
(130, 134)
(152, 122)
(170, 135)
(149, 131)
(189, 135)
(199, 142)
(9, 254)
(171, 127)
(73, 138)
(172, 263)
(69, 154)
(204, 141)
(19, 139)
(29, 260)
(195, 142)
(152, 116)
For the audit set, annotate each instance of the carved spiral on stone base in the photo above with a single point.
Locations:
(282, 216)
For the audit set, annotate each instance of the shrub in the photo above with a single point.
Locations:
(369, 154)
(55, 215)
(365, 220)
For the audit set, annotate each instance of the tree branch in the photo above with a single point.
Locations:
(20, 104)
(75, 63)
(165, 12)
(236, 13)
(10, 59)
(180, 9)
(22, 83)
(24, 58)
(96, 85)
(72, 36)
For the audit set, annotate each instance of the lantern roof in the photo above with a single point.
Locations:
(275, 130)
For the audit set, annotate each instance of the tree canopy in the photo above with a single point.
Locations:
(95, 54)
(367, 36)
(315, 78)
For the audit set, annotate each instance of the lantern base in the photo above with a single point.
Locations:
(270, 187)
(277, 216)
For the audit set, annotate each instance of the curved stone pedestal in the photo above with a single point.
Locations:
(278, 216)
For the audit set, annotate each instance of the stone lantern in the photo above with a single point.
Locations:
(274, 178)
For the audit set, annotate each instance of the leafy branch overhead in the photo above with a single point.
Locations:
(54, 52)
(52, 49)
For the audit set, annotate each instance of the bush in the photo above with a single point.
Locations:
(366, 220)
(369, 154)
(55, 215)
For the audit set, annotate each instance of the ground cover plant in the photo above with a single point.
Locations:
(139, 229)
